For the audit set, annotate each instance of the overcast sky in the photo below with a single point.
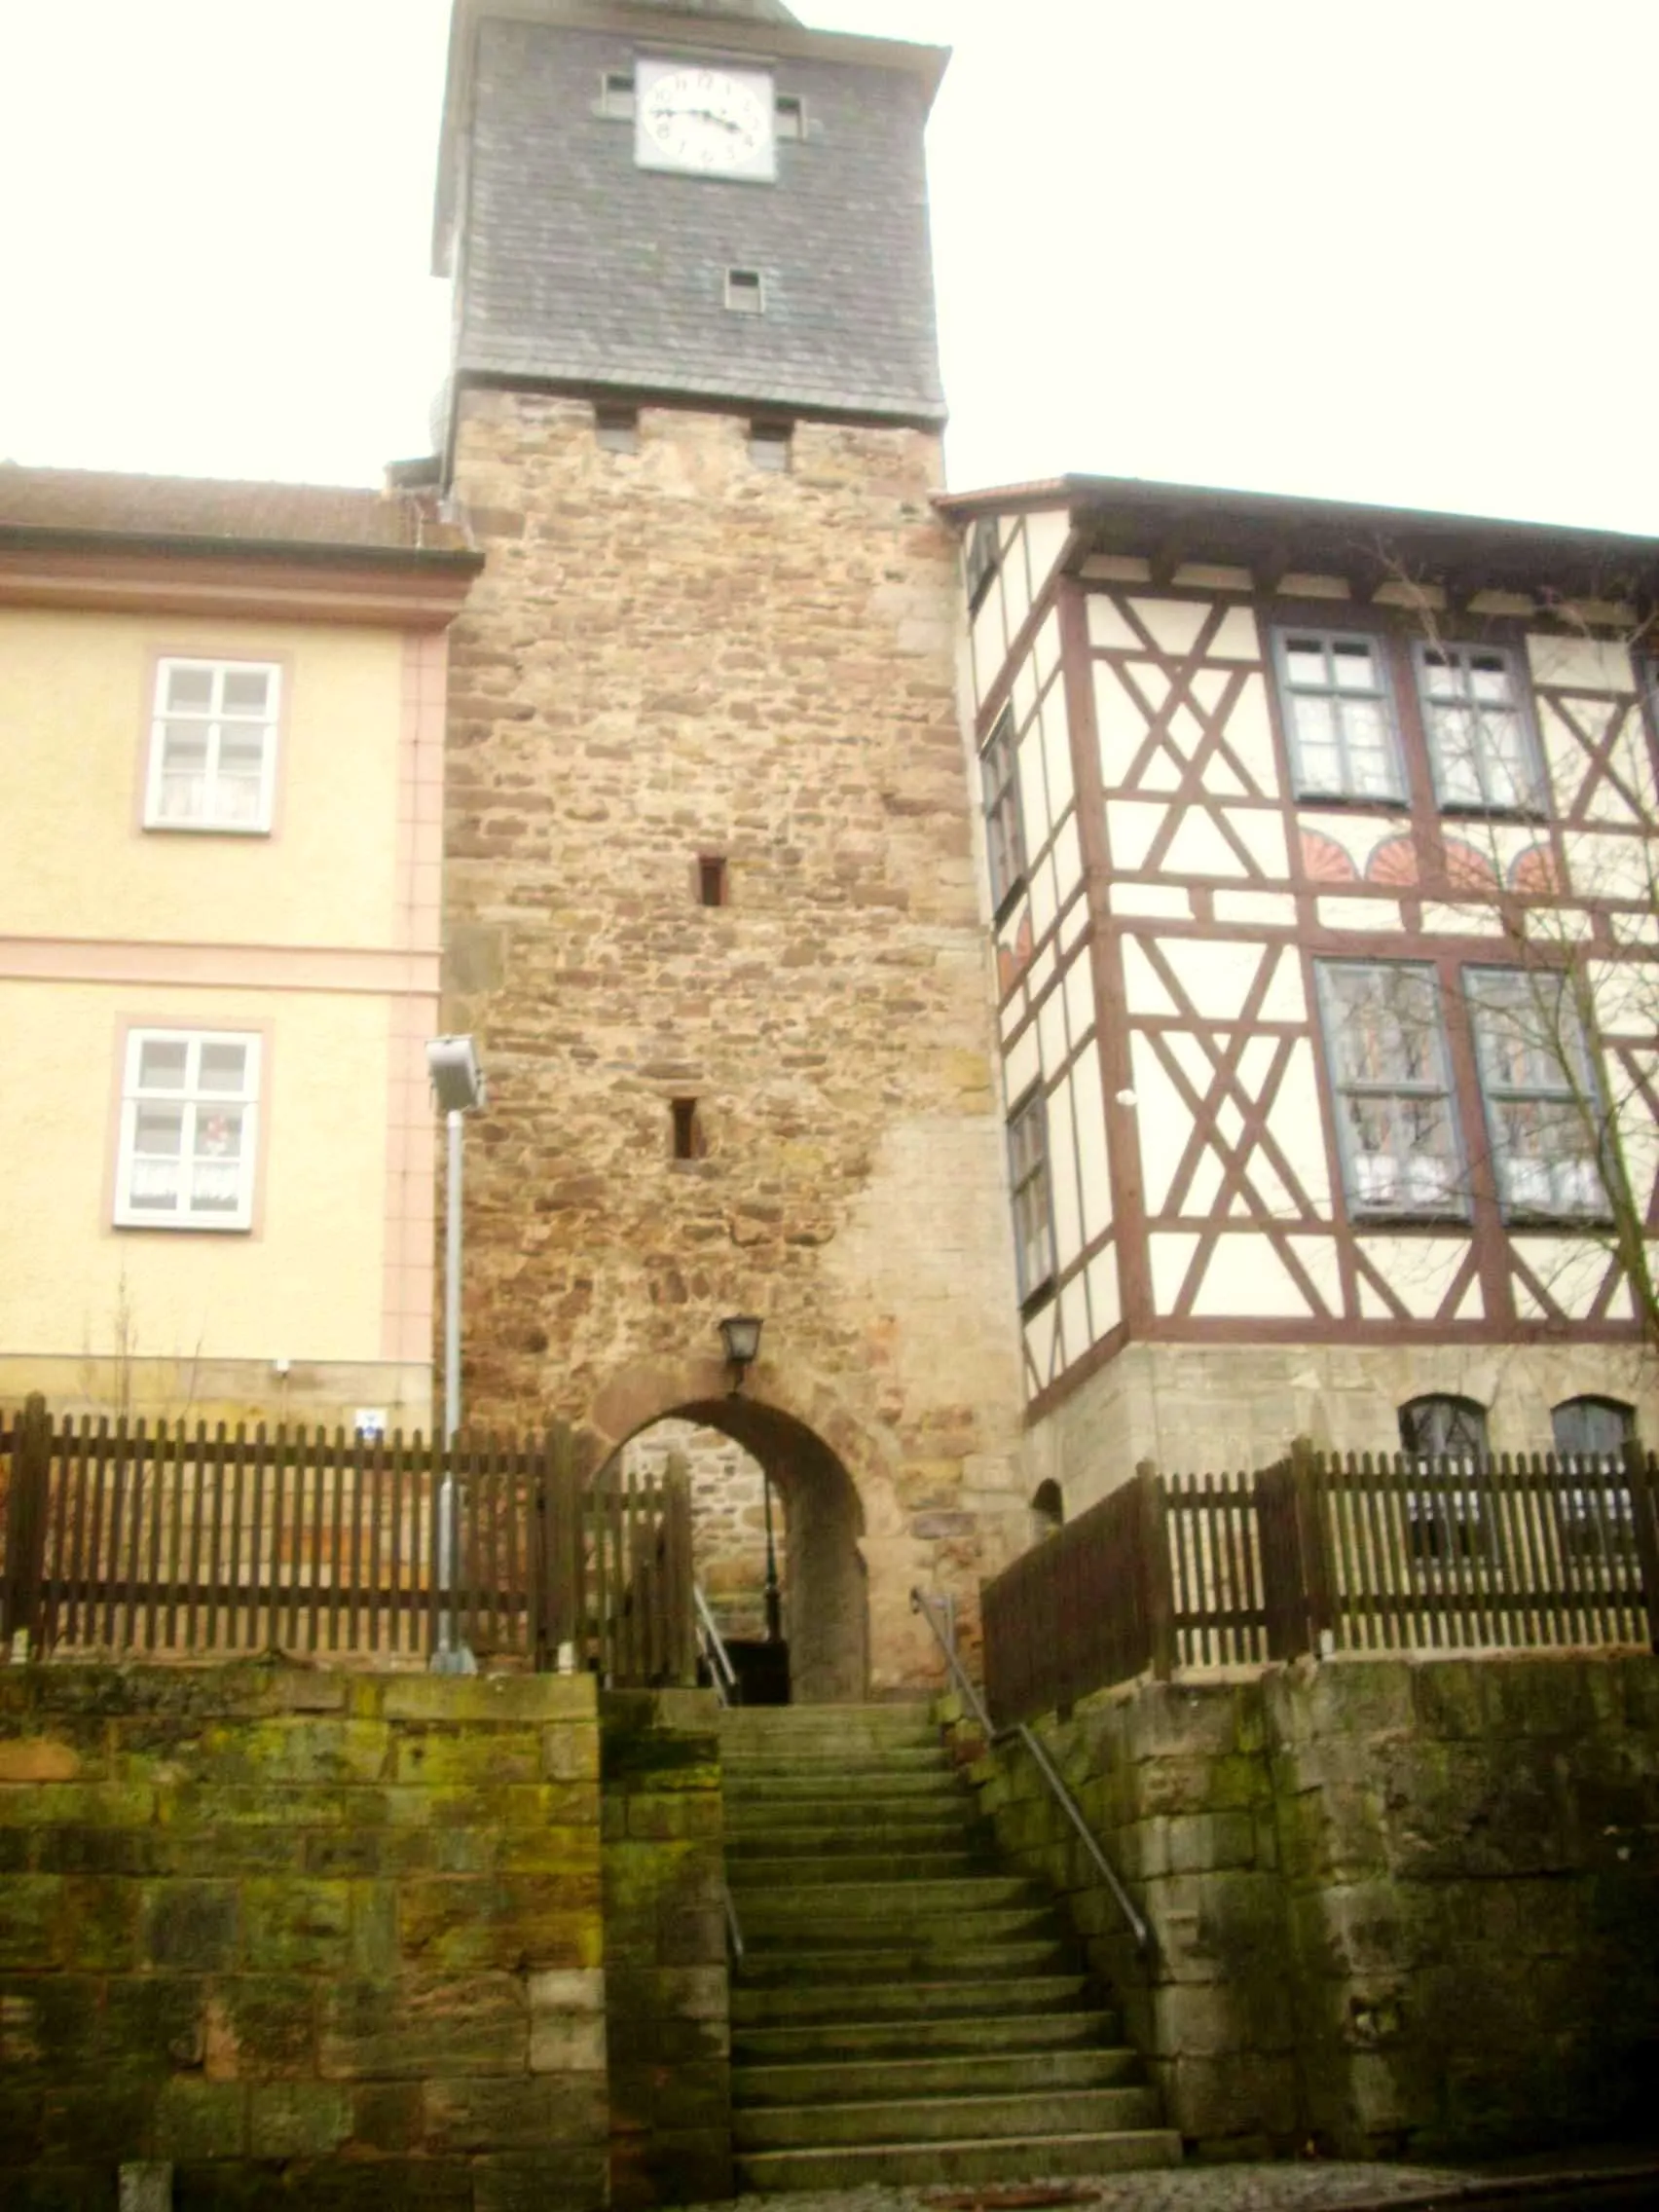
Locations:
(1399, 254)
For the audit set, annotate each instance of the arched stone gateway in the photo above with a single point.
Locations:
(820, 1522)
(861, 1530)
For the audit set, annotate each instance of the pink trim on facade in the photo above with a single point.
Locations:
(407, 1301)
(325, 969)
(407, 1295)
(419, 838)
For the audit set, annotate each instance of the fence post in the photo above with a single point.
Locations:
(1641, 1474)
(1156, 1583)
(1284, 1598)
(25, 1524)
(679, 1572)
(1312, 1550)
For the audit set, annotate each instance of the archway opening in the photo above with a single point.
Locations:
(733, 1449)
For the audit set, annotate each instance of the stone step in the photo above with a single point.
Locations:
(790, 1966)
(745, 1765)
(924, 1827)
(832, 1903)
(756, 1869)
(852, 2080)
(798, 1720)
(834, 1817)
(819, 1936)
(991, 2033)
(838, 1784)
(909, 2165)
(859, 2003)
(945, 2119)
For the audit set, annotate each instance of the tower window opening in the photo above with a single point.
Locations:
(745, 294)
(617, 95)
(769, 446)
(617, 428)
(791, 116)
(688, 1139)
(711, 886)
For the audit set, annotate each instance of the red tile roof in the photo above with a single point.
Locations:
(75, 500)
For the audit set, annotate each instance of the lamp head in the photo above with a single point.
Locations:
(457, 1081)
(740, 1335)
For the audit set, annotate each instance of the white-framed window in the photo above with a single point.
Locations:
(1387, 1045)
(1005, 837)
(213, 746)
(1339, 716)
(981, 557)
(1479, 730)
(189, 1130)
(1543, 1104)
(1033, 1211)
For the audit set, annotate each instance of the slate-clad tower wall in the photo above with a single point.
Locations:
(678, 654)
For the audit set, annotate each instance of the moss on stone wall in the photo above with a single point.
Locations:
(308, 1936)
(1398, 1906)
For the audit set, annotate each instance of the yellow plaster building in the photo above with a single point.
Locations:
(222, 714)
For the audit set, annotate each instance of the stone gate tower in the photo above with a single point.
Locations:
(710, 909)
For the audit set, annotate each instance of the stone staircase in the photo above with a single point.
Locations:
(906, 2012)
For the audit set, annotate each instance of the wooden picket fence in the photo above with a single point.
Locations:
(1325, 1553)
(119, 1538)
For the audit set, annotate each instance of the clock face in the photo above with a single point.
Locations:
(711, 121)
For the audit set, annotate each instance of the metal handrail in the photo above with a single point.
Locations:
(721, 1671)
(1139, 1928)
(724, 1675)
(735, 1933)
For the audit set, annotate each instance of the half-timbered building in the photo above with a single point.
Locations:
(1318, 850)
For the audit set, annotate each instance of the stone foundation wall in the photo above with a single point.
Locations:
(1202, 1408)
(676, 654)
(667, 2017)
(310, 1938)
(1398, 1907)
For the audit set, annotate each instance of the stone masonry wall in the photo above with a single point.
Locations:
(1398, 1907)
(1193, 1409)
(674, 653)
(728, 1518)
(308, 1937)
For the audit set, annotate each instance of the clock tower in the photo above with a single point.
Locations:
(710, 906)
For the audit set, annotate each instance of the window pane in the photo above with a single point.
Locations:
(1353, 667)
(1600, 1426)
(184, 748)
(1508, 774)
(158, 1140)
(1451, 732)
(1488, 680)
(219, 1134)
(1443, 1426)
(162, 1063)
(246, 690)
(1305, 659)
(1443, 677)
(1315, 723)
(188, 689)
(157, 1131)
(224, 1067)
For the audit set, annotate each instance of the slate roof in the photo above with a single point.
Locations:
(741, 11)
(579, 268)
(90, 502)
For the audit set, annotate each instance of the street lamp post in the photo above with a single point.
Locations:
(458, 1087)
